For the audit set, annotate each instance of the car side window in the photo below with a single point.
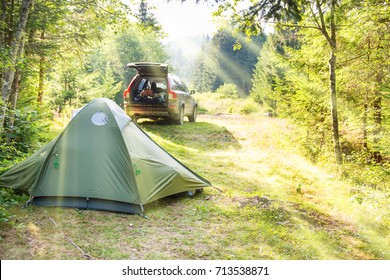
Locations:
(173, 84)
(180, 85)
(184, 87)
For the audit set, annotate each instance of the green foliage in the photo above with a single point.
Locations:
(132, 45)
(28, 132)
(220, 62)
(249, 107)
(247, 19)
(365, 79)
(204, 77)
(4, 59)
(4, 216)
(8, 199)
(217, 103)
(147, 19)
(228, 90)
(268, 77)
(291, 79)
(284, 83)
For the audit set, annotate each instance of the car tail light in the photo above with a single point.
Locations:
(172, 94)
(126, 93)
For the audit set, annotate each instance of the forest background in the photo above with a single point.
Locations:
(59, 55)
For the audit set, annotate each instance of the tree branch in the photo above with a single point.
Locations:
(315, 18)
(352, 59)
(67, 238)
(323, 25)
(293, 25)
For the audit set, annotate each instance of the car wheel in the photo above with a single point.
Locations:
(180, 117)
(192, 117)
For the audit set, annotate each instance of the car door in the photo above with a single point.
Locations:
(189, 101)
(186, 97)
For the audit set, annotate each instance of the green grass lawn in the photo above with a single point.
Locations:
(267, 202)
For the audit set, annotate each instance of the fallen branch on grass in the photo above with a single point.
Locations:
(89, 257)
(67, 238)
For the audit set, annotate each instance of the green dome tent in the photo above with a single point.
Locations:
(104, 161)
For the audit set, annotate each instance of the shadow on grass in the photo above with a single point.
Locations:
(293, 231)
(198, 135)
(254, 232)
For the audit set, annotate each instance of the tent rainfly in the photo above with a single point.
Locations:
(103, 161)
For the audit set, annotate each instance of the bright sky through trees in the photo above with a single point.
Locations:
(184, 19)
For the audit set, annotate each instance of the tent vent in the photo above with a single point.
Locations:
(99, 118)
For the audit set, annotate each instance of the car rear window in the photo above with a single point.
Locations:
(146, 83)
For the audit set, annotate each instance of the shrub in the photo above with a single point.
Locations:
(216, 103)
(249, 106)
(4, 216)
(8, 198)
(228, 90)
(28, 132)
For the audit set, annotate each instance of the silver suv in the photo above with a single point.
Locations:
(153, 93)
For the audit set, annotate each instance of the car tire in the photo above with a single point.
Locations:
(192, 117)
(180, 117)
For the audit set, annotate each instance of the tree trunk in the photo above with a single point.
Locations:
(377, 115)
(365, 114)
(41, 73)
(331, 38)
(332, 79)
(333, 102)
(9, 73)
(365, 104)
(9, 22)
(377, 109)
(3, 24)
(13, 98)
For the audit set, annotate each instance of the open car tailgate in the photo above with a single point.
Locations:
(149, 68)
